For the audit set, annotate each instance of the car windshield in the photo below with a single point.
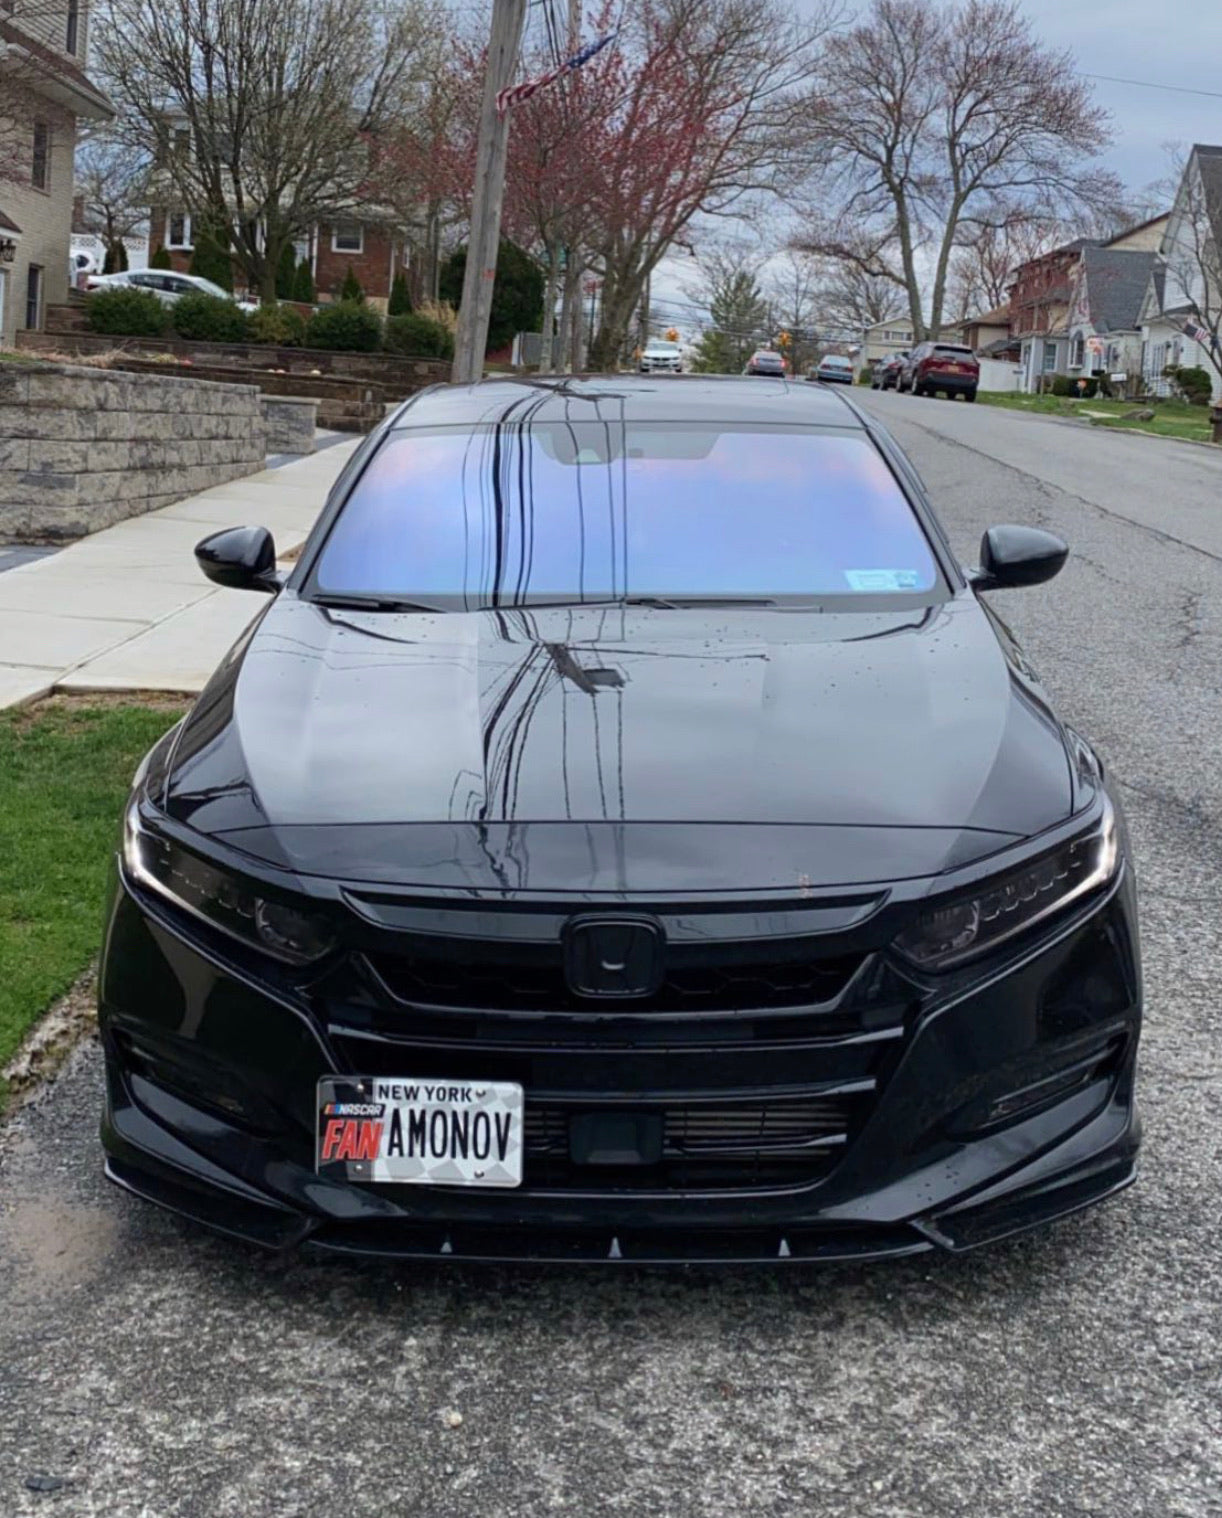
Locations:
(594, 511)
(832, 362)
(952, 349)
(209, 288)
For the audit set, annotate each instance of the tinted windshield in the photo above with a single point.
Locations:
(587, 510)
(951, 348)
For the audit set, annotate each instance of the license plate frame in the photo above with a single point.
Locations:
(420, 1131)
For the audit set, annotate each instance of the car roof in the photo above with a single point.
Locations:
(628, 397)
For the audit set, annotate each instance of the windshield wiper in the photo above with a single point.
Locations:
(667, 603)
(374, 603)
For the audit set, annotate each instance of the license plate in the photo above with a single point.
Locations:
(420, 1132)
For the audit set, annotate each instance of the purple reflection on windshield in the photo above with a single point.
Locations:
(597, 510)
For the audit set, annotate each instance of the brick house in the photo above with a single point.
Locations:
(44, 91)
(1039, 310)
(370, 248)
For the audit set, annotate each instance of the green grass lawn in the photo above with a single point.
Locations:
(1171, 418)
(65, 767)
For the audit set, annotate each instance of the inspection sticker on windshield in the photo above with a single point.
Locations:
(883, 579)
(420, 1132)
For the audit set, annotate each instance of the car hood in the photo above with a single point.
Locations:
(415, 746)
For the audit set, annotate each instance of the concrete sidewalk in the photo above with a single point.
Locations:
(127, 608)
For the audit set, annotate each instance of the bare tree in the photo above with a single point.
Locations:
(703, 110)
(1192, 248)
(982, 267)
(264, 114)
(112, 185)
(930, 118)
(793, 302)
(851, 298)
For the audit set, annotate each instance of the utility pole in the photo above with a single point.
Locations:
(570, 300)
(508, 17)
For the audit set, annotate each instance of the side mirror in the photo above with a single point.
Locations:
(1013, 556)
(242, 558)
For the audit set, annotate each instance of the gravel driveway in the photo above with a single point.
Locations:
(150, 1369)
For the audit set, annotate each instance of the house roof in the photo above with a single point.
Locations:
(1116, 281)
(59, 71)
(1139, 226)
(999, 316)
(1209, 161)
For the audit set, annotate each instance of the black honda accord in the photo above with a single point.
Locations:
(626, 834)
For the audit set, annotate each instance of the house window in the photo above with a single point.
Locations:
(177, 230)
(33, 295)
(73, 27)
(347, 237)
(1050, 358)
(1077, 353)
(40, 159)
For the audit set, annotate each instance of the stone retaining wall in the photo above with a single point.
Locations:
(399, 375)
(83, 448)
(289, 422)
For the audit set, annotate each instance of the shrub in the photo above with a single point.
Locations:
(866, 377)
(400, 303)
(208, 319)
(210, 258)
(517, 295)
(303, 284)
(286, 272)
(280, 325)
(417, 337)
(115, 261)
(127, 313)
(350, 292)
(1193, 383)
(1062, 385)
(161, 259)
(346, 327)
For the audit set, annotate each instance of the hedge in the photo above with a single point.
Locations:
(417, 337)
(280, 325)
(127, 312)
(208, 319)
(346, 327)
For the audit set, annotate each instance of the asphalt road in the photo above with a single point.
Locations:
(154, 1370)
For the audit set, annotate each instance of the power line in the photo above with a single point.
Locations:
(1150, 84)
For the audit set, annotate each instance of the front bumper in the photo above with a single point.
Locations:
(995, 1105)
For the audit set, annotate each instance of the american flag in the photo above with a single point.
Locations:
(519, 92)
(1195, 332)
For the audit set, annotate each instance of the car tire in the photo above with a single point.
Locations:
(969, 395)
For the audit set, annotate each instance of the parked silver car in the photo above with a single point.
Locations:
(165, 284)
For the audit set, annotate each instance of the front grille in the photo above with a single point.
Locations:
(530, 978)
(752, 1067)
(716, 1127)
(726, 1145)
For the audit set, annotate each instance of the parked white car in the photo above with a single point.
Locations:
(165, 284)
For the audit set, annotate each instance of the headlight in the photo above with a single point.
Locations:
(160, 865)
(962, 927)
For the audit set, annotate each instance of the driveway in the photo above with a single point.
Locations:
(154, 1370)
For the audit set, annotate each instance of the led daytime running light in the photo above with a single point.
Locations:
(191, 883)
(966, 926)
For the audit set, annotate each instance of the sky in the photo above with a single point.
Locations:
(1176, 42)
